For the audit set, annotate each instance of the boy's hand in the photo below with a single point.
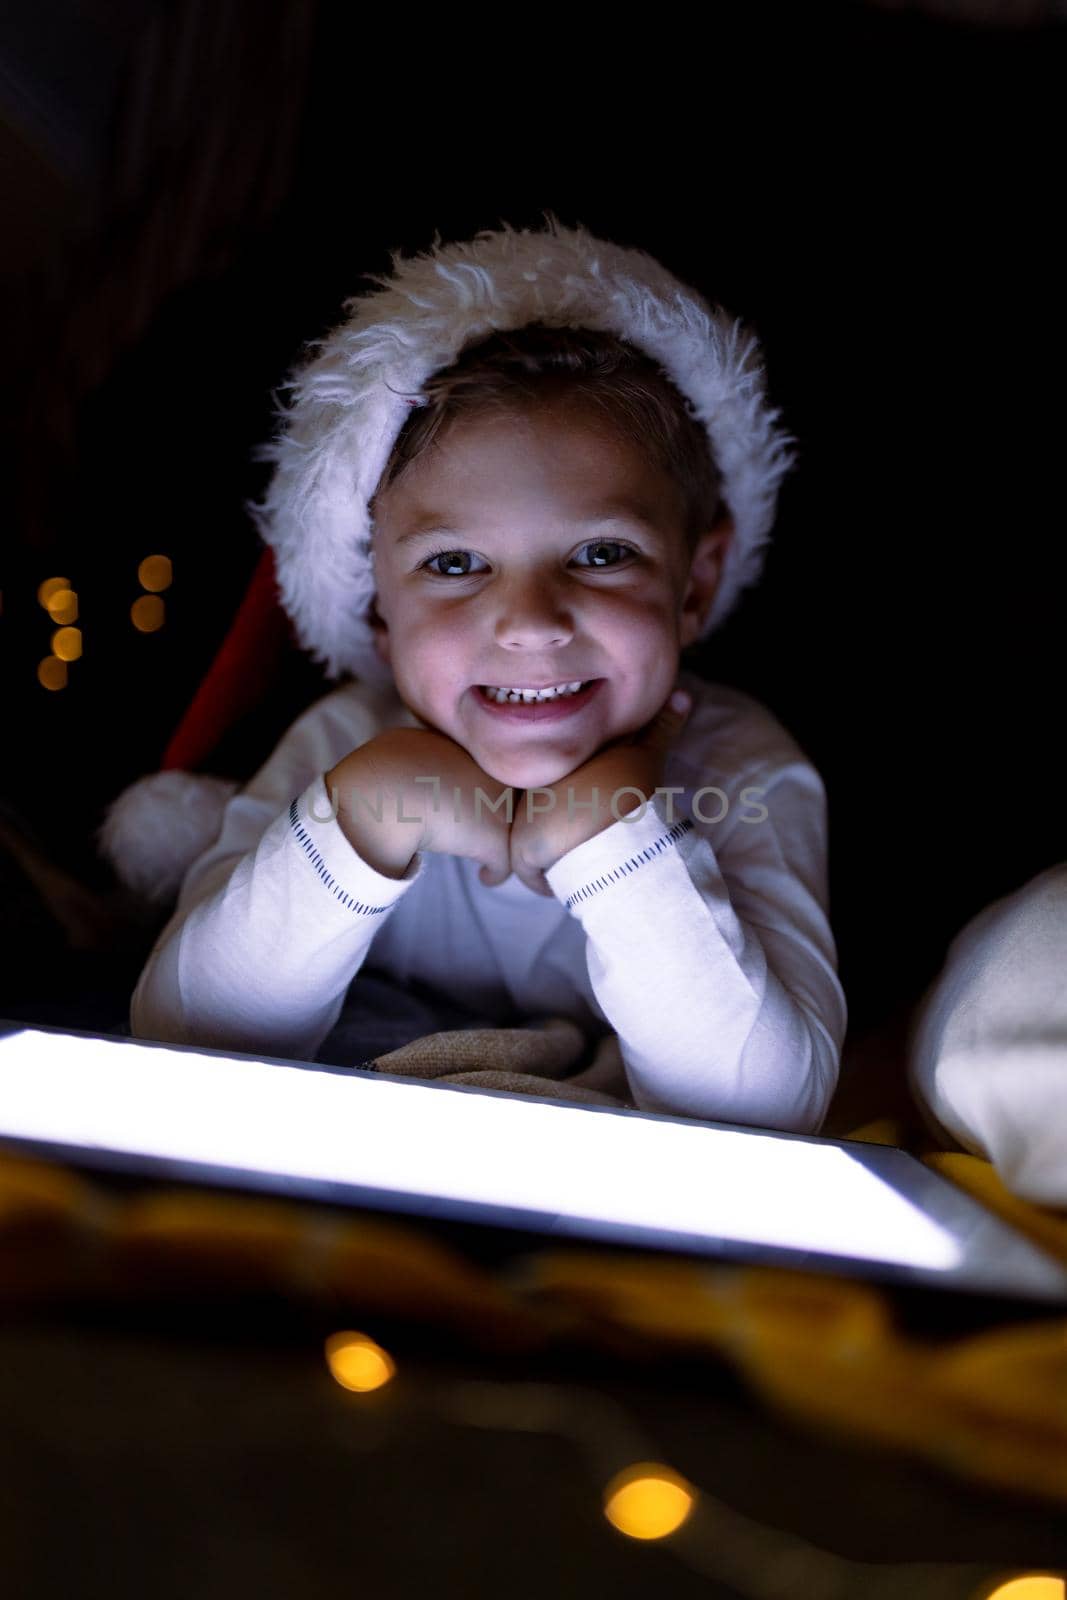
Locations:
(431, 796)
(550, 821)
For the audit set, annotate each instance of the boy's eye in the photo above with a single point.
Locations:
(458, 563)
(454, 563)
(605, 553)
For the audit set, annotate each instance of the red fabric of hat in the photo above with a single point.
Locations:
(247, 663)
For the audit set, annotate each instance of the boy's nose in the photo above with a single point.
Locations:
(532, 612)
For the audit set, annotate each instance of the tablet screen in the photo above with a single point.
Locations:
(550, 1166)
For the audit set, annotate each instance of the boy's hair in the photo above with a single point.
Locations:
(537, 363)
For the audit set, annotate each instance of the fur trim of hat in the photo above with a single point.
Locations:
(351, 399)
(159, 826)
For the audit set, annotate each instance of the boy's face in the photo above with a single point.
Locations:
(530, 549)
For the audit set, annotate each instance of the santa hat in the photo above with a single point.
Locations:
(349, 402)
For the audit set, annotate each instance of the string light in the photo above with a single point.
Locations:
(67, 644)
(148, 613)
(648, 1500)
(62, 606)
(357, 1363)
(50, 587)
(155, 573)
(57, 597)
(52, 673)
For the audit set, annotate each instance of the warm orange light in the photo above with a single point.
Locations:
(52, 673)
(648, 1500)
(62, 606)
(356, 1362)
(155, 573)
(148, 613)
(67, 643)
(49, 587)
(1033, 1586)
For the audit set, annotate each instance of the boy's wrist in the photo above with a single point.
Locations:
(371, 814)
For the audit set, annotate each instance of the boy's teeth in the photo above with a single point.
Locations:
(516, 696)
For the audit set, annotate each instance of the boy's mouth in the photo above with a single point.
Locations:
(537, 704)
(527, 695)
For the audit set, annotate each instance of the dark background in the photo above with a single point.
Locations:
(191, 191)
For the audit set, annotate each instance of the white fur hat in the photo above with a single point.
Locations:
(348, 405)
(350, 401)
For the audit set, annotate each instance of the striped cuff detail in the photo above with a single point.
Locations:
(320, 867)
(595, 885)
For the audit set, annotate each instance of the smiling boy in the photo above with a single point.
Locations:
(531, 550)
(510, 492)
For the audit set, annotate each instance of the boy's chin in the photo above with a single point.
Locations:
(526, 774)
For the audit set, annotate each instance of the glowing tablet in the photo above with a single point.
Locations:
(362, 1138)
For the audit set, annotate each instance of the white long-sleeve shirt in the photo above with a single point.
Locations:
(697, 931)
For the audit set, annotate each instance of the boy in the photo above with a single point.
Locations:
(512, 488)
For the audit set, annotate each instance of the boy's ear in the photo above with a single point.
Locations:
(379, 632)
(705, 575)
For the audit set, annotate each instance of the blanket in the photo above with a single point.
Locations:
(413, 1033)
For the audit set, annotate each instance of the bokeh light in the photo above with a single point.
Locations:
(52, 673)
(62, 606)
(1032, 1586)
(67, 644)
(648, 1500)
(357, 1363)
(148, 613)
(155, 573)
(49, 587)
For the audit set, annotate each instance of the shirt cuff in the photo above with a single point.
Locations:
(339, 866)
(631, 846)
